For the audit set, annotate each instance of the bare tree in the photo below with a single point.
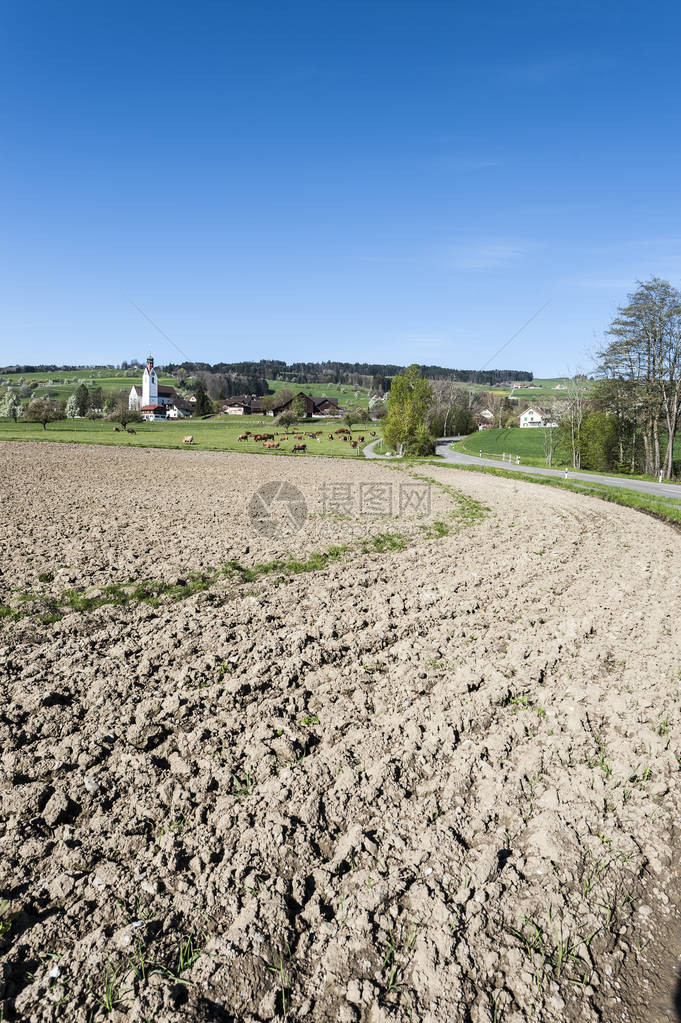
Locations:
(646, 351)
(574, 407)
(548, 426)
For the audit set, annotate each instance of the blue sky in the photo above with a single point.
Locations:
(385, 182)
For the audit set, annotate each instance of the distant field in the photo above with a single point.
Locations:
(541, 389)
(62, 385)
(209, 435)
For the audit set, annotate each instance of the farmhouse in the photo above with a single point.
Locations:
(155, 401)
(250, 404)
(313, 406)
(533, 417)
(243, 405)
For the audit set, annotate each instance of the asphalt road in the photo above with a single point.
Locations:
(642, 486)
(444, 451)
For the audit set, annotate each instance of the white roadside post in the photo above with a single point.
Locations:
(566, 475)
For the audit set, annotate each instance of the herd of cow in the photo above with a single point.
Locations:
(269, 440)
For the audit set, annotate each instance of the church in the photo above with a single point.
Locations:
(155, 401)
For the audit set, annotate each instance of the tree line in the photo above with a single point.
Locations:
(375, 376)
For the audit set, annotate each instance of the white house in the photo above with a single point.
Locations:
(154, 401)
(535, 417)
(531, 417)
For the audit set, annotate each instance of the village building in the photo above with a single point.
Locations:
(534, 417)
(250, 404)
(155, 401)
(243, 405)
(485, 420)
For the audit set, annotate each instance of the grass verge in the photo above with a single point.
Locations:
(668, 509)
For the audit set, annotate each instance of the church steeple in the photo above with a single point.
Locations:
(149, 384)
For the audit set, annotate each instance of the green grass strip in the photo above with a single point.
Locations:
(668, 509)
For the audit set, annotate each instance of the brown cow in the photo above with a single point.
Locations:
(373, 433)
(129, 430)
(353, 443)
(298, 447)
(189, 439)
(242, 436)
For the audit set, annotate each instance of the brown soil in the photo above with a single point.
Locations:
(438, 783)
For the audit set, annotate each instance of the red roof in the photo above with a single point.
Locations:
(152, 408)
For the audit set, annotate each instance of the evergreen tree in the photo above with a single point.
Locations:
(203, 406)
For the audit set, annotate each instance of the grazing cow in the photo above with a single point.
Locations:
(299, 436)
(298, 447)
(242, 436)
(271, 444)
(131, 431)
(330, 436)
(361, 439)
(116, 429)
(373, 433)
(353, 444)
(189, 439)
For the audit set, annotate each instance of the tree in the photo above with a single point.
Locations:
(41, 411)
(599, 441)
(83, 399)
(408, 405)
(282, 396)
(122, 414)
(10, 406)
(96, 400)
(572, 410)
(646, 350)
(299, 407)
(72, 407)
(286, 419)
(203, 406)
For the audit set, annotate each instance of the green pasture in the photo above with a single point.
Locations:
(209, 434)
(528, 443)
(542, 390)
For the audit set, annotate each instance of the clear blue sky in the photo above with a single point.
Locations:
(388, 182)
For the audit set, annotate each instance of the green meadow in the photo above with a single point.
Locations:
(209, 434)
